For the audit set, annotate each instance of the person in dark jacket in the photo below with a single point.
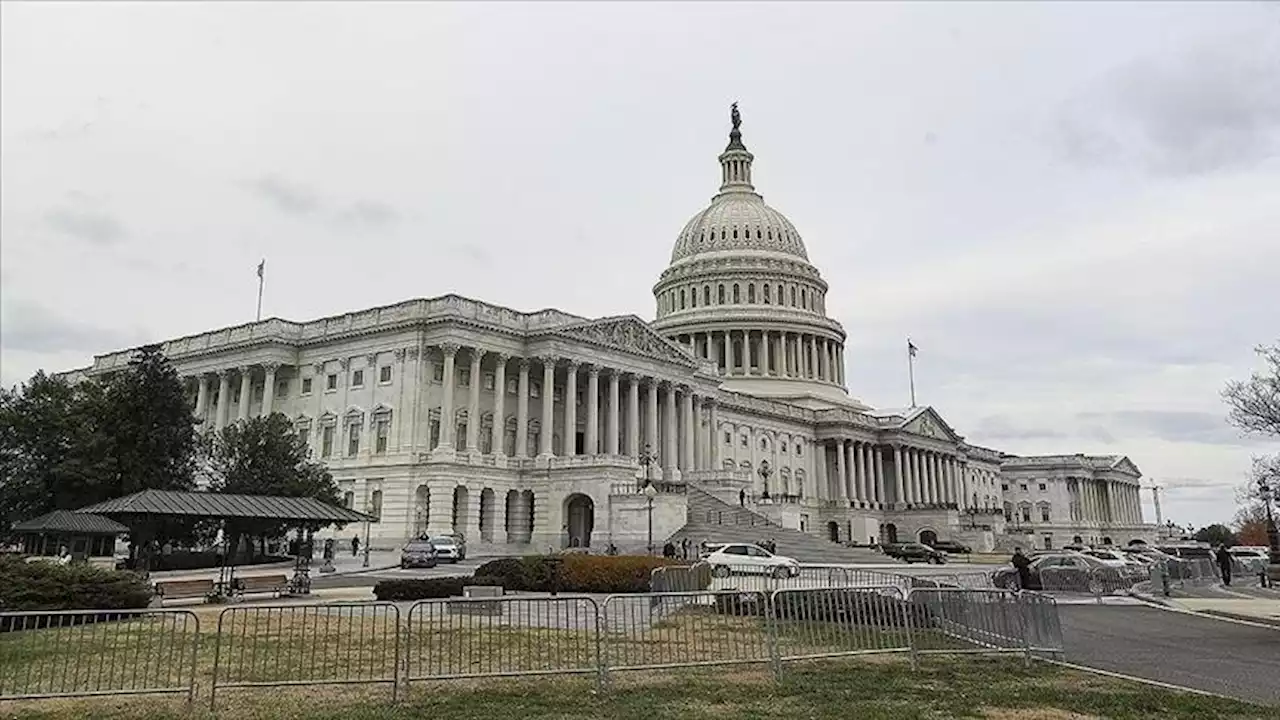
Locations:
(1223, 557)
(1022, 564)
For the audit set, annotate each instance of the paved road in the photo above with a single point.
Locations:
(1221, 657)
(369, 579)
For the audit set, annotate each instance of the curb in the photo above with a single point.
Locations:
(1141, 680)
(1221, 617)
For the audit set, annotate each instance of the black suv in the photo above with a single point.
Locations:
(914, 552)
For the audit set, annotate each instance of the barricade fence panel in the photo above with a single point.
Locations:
(684, 629)
(47, 654)
(951, 620)
(1043, 625)
(501, 636)
(829, 622)
(336, 644)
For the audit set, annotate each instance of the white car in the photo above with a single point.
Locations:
(748, 559)
(449, 548)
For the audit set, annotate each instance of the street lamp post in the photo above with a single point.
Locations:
(647, 458)
(368, 510)
(765, 472)
(649, 492)
(1266, 492)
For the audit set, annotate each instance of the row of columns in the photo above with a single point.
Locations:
(222, 413)
(921, 477)
(769, 353)
(682, 441)
(1106, 501)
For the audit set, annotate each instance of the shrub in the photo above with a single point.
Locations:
(577, 573)
(428, 588)
(49, 586)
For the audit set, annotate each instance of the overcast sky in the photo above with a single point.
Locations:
(1073, 209)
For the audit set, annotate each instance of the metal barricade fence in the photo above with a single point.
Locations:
(650, 631)
(70, 653)
(282, 645)
(956, 620)
(501, 636)
(1043, 625)
(831, 622)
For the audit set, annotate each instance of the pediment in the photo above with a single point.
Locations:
(927, 423)
(1126, 466)
(629, 334)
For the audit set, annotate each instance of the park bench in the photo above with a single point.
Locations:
(183, 589)
(469, 606)
(260, 584)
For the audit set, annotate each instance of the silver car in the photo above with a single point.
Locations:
(449, 548)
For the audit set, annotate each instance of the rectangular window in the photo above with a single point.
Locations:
(1044, 514)
(513, 386)
(384, 374)
(535, 390)
(306, 386)
(1004, 486)
(489, 380)
(1043, 487)
(437, 372)
(304, 435)
(728, 438)
(559, 395)
(1026, 514)
(282, 388)
(326, 441)
(375, 505)
(331, 382)
(464, 377)
(353, 439)
(382, 429)
(357, 378)
(1024, 487)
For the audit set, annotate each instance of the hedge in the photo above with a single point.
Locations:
(45, 585)
(427, 588)
(577, 573)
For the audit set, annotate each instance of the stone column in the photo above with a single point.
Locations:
(899, 481)
(919, 487)
(522, 411)
(611, 422)
(633, 416)
(868, 475)
(820, 470)
(855, 471)
(569, 441)
(699, 436)
(686, 436)
(746, 352)
(246, 387)
(762, 355)
(498, 432)
(813, 352)
(670, 448)
(779, 356)
(877, 455)
(713, 450)
(548, 405)
(592, 439)
(726, 347)
(842, 482)
(223, 412)
(269, 388)
(473, 403)
(447, 419)
(651, 417)
(935, 482)
(202, 396)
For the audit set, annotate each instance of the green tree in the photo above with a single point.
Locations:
(1255, 403)
(47, 442)
(265, 456)
(1216, 535)
(146, 428)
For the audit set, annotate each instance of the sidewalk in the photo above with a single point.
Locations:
(1265, 611)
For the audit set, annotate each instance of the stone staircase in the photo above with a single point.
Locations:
(717, 521)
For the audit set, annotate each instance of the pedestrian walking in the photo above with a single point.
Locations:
(355, 545)
(1022, 564)
(742, 498)
(684, 548)
(1224, 564)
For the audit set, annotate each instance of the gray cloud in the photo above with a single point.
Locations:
(30, 327)
(1003, 427)
(1209, 108)
(1172, 425)
(85, 223)
(367, 214)
(285, 196)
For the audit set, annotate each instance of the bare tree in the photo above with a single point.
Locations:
(1255, 403)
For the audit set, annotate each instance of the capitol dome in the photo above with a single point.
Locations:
(740, 291)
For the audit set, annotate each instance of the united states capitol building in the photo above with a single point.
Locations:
(527, 430)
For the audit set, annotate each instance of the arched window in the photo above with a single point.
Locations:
(736, 297)
(765, 289)
(764, 443)
(693, 297)
(720, 294)
(751, 293)
(793, 296)
(706, 294)
(682, 298)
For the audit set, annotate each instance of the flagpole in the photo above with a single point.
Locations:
(911, 370)
(261, 280)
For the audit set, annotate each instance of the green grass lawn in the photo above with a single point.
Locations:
(994, 689)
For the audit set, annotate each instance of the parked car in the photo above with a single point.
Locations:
(951, 546)
(915, 552)
(449, 547)
(418, 553)
(748, 559)
(1069, 571)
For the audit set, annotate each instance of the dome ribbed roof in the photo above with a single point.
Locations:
(738, 221)
(738, 218)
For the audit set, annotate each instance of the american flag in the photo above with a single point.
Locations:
(911, 348)
(262, 267)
